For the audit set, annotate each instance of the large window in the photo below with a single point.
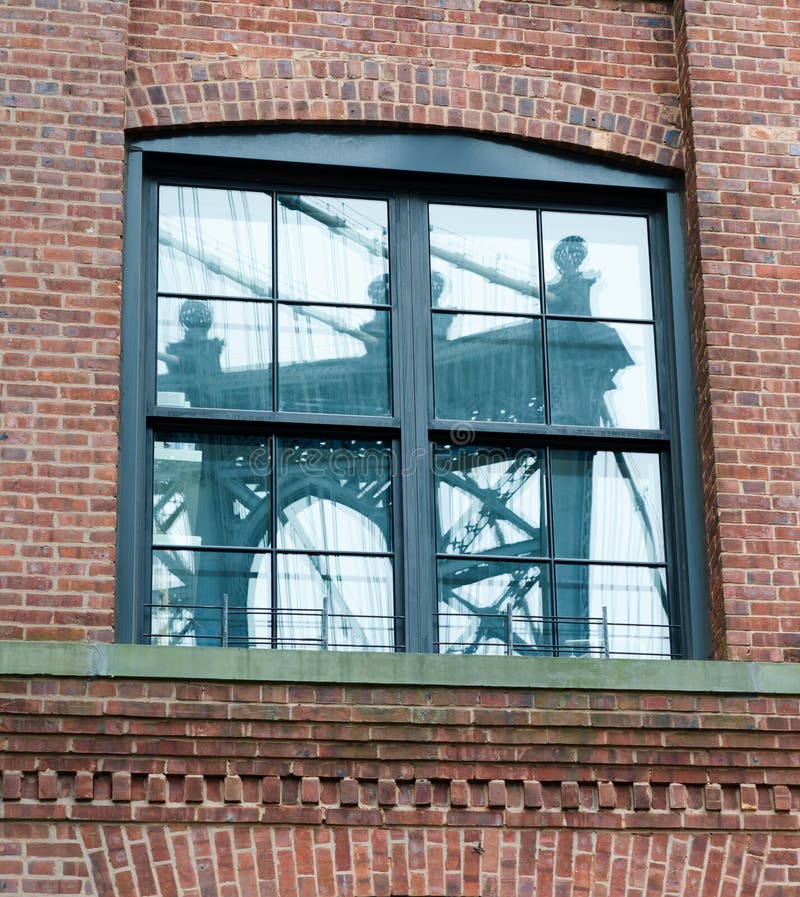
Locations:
(390, 412)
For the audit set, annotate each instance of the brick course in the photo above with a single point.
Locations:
(395, 790)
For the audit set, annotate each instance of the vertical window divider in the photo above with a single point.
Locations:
(420, 532)
(275, 321)
(548, 467)
(402, 576)
(273, 539)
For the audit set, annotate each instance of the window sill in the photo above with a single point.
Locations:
(91, 659)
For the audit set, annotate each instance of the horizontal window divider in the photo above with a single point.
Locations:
(329, 553)
(552, 435)
(328, 303)
(222, 549)
(214, 297)
(597, 319)
(278, 422)
(244, 549)
(582, 562)
(504, 558)
(488, 313)
(526, 559)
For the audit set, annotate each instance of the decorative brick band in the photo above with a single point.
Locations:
(310, 800)
(281, 861)
(522, 104)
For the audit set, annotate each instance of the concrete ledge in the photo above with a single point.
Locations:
(233, 664)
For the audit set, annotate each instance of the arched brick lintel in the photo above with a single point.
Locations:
(187, 93)
(113, 860)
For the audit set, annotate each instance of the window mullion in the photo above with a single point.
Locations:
(412, 285)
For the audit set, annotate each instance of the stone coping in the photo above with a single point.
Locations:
(92, 659)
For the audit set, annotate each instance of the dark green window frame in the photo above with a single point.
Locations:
(409, 170)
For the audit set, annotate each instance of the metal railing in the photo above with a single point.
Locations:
(224, 624)
(501, 632)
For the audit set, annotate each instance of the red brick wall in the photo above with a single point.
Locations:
(157, 788)
(598, 74)
(177, 860)
(62, 107)
(741, 102)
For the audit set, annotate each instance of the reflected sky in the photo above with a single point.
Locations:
(484, 259)
(214, 242)
(614, 258)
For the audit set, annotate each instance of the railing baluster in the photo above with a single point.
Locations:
(606, 648)
(325, 612)
(509, 629)
(224, 621)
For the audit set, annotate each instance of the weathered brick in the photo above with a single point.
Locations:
(194, 789)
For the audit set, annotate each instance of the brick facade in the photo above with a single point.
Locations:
(146, 787)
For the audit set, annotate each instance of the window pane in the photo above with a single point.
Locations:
(487, 367)
(334, 360)
(484, 259)
(597, 265)
(489, 500)
(334, 495)
(192, 589)
(607, 506)
(336, 602)
(602, 374)
(635, 601)
(214, 354)
(211, 490)
(474, 597)
(214, 242)
(333, 250)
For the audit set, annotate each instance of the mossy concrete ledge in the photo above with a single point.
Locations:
(89, 659)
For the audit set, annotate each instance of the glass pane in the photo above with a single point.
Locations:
(487, 367)
(474, 597)
(214, 354)
(341, 603)
(334, 360)
(635, 602)
(334, 495)
(214, 242)
(597, 265)
(333, 250)
(607, 506)
(603, 375)
(211, 490)
(484, 259)
(489, 501)
(191, 590)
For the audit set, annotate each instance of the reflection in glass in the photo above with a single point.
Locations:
(635, 600)
(337, 602)
(211, 490)
(214, 354)
(192, 590)
(334, 495)
(484, 259)
(214, 242)
(487, 367)
(597, 265)
(334, 360)
(607, 506)
(333, 250)
(474, 597)
(602, 374)
(489, 500)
